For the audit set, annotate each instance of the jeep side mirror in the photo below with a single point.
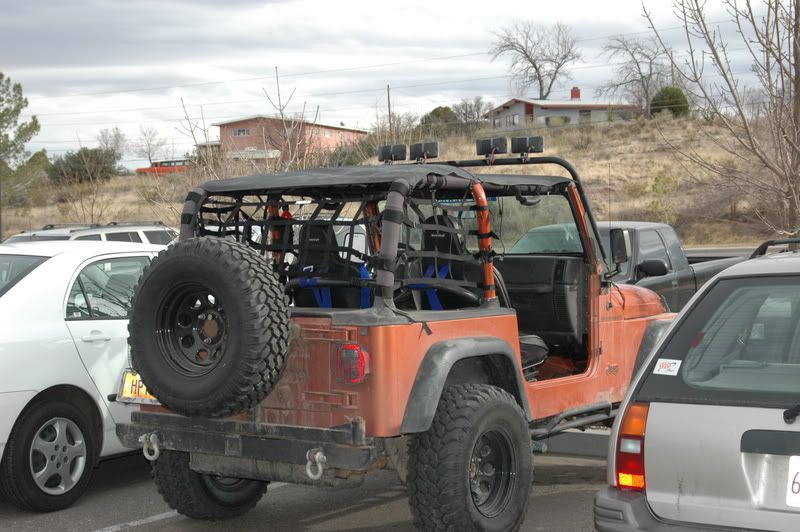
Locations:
(619, 251)
(653, 268)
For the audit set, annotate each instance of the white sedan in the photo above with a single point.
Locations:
(64, 322)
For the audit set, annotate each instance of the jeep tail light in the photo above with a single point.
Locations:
(630, 448)
(352, 364)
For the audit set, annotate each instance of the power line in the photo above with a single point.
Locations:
(345, 69)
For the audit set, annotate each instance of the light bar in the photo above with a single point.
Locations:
(392, 152)
(424, 150)
(492, 146)
(527, 144)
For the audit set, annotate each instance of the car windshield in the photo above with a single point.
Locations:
(740, 343)
(15, 267)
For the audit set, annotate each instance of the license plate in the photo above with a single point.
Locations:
(793, 483)
(133, 390)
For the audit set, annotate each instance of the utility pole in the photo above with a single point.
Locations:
(389, 105)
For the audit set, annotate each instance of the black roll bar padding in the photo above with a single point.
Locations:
(194, 199)
(390, 238)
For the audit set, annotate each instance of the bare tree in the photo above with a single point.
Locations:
(760, 121)
(296, 137)
(643, 69)
(150, 143)
(539, 55)
(114, 140)
(472, 111)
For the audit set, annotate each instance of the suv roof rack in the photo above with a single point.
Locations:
(148, 222)
(67, 226)
(761, 250)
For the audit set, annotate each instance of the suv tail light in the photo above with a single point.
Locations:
(352, 364)
(630, 448)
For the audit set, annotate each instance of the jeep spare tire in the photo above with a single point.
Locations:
(209, 327)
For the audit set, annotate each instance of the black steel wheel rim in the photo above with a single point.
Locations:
(225, 484)
(192, 329)
(492, 472)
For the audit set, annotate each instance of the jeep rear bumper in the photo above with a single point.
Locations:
(249, 445)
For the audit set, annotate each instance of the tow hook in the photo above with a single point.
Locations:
(150, 447)
(315, 463)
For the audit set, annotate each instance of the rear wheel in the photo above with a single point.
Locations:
(209, 328)
(473, 468)
(49, 457)
(202, 496)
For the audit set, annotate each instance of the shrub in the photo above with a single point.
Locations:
(670, 99)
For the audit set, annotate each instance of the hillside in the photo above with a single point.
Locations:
(630, 172)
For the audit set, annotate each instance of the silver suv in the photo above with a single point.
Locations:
(709, 436)
(145, 232)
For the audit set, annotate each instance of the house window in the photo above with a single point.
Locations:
(584, 116)
(241, 132)
(328, 133)
(515, 120)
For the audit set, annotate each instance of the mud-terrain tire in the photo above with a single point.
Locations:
(472, 470)
(209, 327)
(49, 457)
(201, 496)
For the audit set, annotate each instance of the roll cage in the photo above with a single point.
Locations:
(290, 218)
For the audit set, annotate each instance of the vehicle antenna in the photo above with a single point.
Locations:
(609, 192)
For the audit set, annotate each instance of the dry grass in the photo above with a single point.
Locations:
(624, 165)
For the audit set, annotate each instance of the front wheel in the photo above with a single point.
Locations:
(201, 496)
(473, 468)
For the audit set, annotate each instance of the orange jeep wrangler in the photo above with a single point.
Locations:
(312, 326)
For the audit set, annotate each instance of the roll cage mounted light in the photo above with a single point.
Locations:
(422, 151)
(392, 152)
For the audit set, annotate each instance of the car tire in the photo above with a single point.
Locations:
(49, 457)
(202, 496)
(473, 468)
(209, 327)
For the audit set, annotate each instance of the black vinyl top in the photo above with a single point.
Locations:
(372, 177)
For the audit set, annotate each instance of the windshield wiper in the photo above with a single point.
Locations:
(791, 413)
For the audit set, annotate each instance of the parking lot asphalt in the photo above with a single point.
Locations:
(122, 497)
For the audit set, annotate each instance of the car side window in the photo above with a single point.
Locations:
(161, 237)
(88, 237)
(127, 236)
(77, 303)
(651, 246)
(104, 288)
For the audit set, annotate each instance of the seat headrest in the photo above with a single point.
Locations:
(442, 241)
(318, 243)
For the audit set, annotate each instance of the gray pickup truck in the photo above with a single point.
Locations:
(657, 261)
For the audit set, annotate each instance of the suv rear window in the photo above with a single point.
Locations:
(15, 267)
(739, 344)
(161, 236)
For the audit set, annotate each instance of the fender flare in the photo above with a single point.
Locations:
(435, 368)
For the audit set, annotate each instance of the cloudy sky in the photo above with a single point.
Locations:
(86, 65)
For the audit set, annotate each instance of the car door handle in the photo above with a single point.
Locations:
(95, 338)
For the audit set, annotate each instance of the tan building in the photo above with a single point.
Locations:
(265, 137)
